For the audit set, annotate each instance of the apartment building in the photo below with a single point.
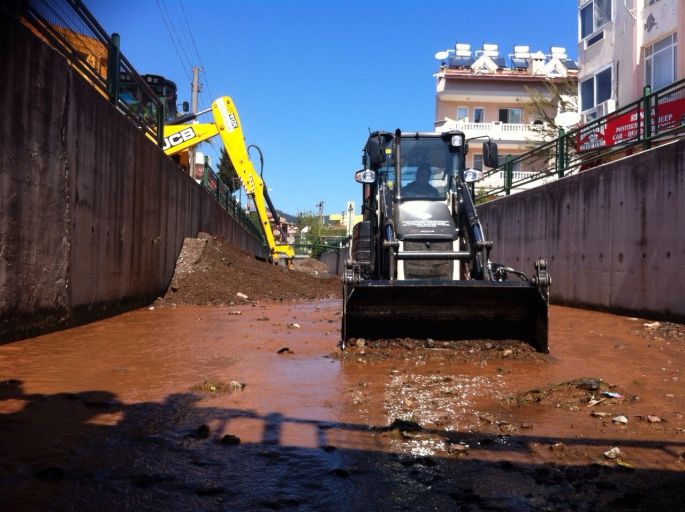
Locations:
(482, 93)
(623, 46)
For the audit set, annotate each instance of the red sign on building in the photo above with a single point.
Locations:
(616, 130)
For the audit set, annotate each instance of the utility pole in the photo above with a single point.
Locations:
(195, 89)
(320, 207)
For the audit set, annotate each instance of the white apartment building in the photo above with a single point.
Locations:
(624, 45)
(481, 93)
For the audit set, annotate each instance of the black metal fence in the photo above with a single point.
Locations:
(621, 133)
(70, 28)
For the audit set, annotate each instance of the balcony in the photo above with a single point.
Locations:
(498, 131)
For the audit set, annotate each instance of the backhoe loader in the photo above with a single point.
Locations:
(179, 137)
(419, 264)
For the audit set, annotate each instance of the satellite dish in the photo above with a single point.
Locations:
(566, 119)
(441, 55)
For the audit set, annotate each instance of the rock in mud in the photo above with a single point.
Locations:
(458, 449)
(589, 385)
(620, 419)
(488, 417)
(230, 440)
(201, 432)
(404, 425)
(558, 447)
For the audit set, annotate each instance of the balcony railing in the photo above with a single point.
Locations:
(518, 131)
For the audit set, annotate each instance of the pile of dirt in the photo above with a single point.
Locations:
(310, 265)
(210, 270)
(371, 351)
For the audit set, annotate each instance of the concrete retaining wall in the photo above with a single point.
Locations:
(613, 236)
(92, 213)
(335, 262)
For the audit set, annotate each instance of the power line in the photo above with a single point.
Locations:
(190, 32)
(190, 64)
(172, 40)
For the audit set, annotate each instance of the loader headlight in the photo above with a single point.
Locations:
(365, 176)
(472, 175)
(457, 140)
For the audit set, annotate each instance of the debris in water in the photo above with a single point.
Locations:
(620, 419)
(611, 394)
(614, 453)
(241, 296)
(237, 386)
(624, 464)
(235, 312)
(285, 350)
(293, 326)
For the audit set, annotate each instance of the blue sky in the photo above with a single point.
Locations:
(310, 78)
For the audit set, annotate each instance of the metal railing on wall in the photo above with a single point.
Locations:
(623, 132)
(218, 189)
(315, 245)
(70, 28)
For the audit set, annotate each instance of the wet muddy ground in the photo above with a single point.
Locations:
(200, 408)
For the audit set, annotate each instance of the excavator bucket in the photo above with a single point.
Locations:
(446, 310)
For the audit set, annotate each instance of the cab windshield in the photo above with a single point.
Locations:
(428, 167)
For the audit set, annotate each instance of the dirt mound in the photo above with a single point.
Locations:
(464, 351)
(210, 270)
(310, 265)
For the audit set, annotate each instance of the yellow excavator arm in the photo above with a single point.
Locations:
(227, 125)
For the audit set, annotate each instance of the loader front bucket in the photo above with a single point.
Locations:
(446, 310)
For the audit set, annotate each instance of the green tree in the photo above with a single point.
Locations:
(542, 110)
(227, 172)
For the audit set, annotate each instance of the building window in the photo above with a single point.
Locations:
(478, 115)
(478, 162)
(510, 115)
(661, 62)
(650, 2)
(462, 113)
(594, 15)
(595, 90)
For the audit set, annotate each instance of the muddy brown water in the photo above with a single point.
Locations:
(110, 416)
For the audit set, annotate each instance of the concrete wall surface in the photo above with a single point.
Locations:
(92, 213)
(613, 236)
(335, 261)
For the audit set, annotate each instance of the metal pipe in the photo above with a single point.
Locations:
(398, 166)
(113, 65)
(647, 118)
